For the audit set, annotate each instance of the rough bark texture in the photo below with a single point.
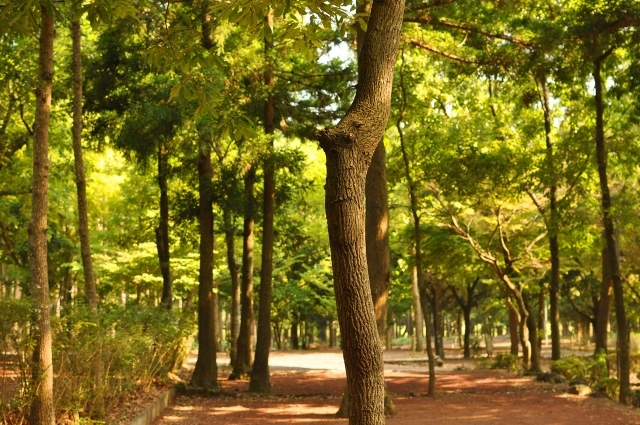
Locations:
(610, 236)
(349, 148)
(377, 236)
(242, 367)
(260, 373)
(604, 304)
(229, 234)
(42, 409)
(418, 310)
(91, 294)
(162, 231)
(205, 373)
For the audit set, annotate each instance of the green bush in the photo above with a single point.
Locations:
(506, 361)
(570, 367)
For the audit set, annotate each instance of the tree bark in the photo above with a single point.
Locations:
(377, 236)
(532, 328)
(624, 369)
(42, 409)
(229, 234)
(604, 304)
(513, 328)
(295, 343)
(466, 313)
(205, 374)
(349, 148)
(244, 359)
(162, 231)
(436, 292)
(260, 373)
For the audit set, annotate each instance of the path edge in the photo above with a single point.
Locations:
(152, 412)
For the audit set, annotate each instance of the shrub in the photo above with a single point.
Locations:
(506, 361)
(570, 367)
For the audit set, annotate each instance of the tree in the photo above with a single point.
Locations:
(349, 147)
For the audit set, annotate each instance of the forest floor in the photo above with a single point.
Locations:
(307, 388)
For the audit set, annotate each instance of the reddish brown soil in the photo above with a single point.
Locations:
(463, 397)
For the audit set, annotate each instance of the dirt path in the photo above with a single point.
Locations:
(464, 397)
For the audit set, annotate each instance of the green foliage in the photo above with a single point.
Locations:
(570, 367)
(507, 361)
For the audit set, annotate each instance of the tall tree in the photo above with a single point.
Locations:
(260, 373)
(349, 147)
(205, 373)
(162, 231)
(42, 410)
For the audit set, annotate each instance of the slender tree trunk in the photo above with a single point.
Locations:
(162, 231)
(513, 328)
(541, 322)
(91, 294)
(242, 367)
(90, 290)
(349, 148)
(552, 227)
(438, 330)
(42, 409)
(416, 307)
(205, 374)
(466, 312)
(295, 343)
(624, 370)
(260, 372)
(217, 314)
(532, 328)
(229, 234)
(604, 304)
(424, 303)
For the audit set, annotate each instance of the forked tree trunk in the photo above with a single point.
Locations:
(260, 372)
(229, 234)
(42, 410)
(624, 369)
(90, 290)
(604, 304)
(205, 374)
(242, 367)
(162, 231)
(349, 148)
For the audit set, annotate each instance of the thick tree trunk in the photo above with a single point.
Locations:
(416, 307)
(295, 342)
(260, 372)
(42, 410)
(604, 304)
(162, 231)
(242, 367)
(229, 234)
(624, 369)
(349, 148)
(532, 328)
(91, 294)
(205, 374)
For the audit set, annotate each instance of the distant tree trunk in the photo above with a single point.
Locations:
(42, 409)
(91, 294)
(466, 312)
(436, 292)
(216, 315)
(624, 369)
(229, 234)
(552, 226)
(541, 322)
(90, 290)
(513, 329)
(162, 231)
(416, 307)
(205, 374)
(604, 304)
(260, 373)
(349, 147)
(295, 343)
(243, 363)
